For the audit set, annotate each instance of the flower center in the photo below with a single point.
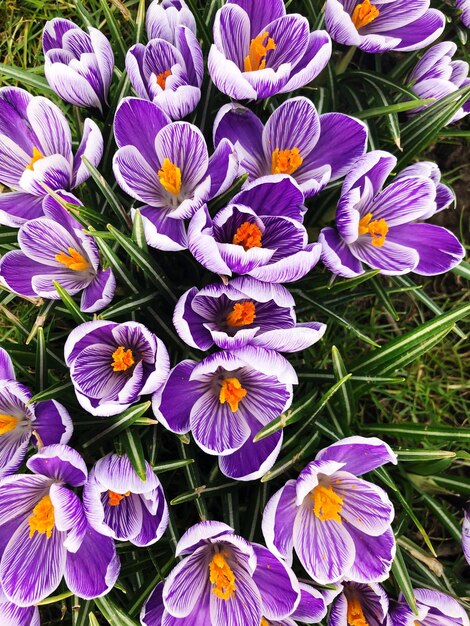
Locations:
(232, 392)
(221, 577)
(286, 161)
(122, 359)
(242, 314)
(264, 622)
(161, 78)
(326, 503)
(42, 519)
(377, 229)
(37, 156)
(7, 423)
(355, 614)
(256, 60)
(170, 177)
(73, 260)
(248, 235)
(364, 14)
(114, 498)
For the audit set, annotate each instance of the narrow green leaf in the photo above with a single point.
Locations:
(416, 521)
(421, 431)
(384, 299)
(399, 107)
(402, 578)
(458, 484)
(92, 619)
(116, 36)
(419, 455)
(133, 447)
(26, 77)
(113, 613)
(169, 466)
(339, 286)
(140, 21)
(52, 392)
(202, 491)
(378, 79)
(443, 515)
(116, 424)
(462, 269)
(138, 232)
(57, 598)
(41, 361)
(120, 270)
(225, 198)
(80, 611)
(202, 28)
(127, 305)
(70, 304)
(346, 398)
(108, 193)
(291, 459)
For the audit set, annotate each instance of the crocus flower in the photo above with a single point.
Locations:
(359, 604)
(436, 75)
(121, 505)
(78, 65)
(314, 149)
(166, 165)
(380, 228)
(170, 68)
(260, 233)
(260, 51)
(36, 150)
(223, 579)
(224, 401)
(45, 534)
(433, 607)
(55, 248)
(243, 312)
(464, 6)
(112, 365)
(338, 524)
(383, 25)
(23, 421)
(466, 533)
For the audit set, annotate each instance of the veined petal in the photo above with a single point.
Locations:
(358, 455)
(278, 521)
(375, 555)
(59, 462)
(186, 583)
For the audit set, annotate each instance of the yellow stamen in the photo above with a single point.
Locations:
(161, 78)
(42, 519)
(221, 577)
(264, 622)
(286, 161)
(327, 504)
(248, 235)
(115, 498)
(364, 14)
(377, 229)
(7, 423)
(73, 260)
(242, 314)
(355, 614)
(232, 392)
(122, 359)
(170, 177)
(256, 60)
(37, 156)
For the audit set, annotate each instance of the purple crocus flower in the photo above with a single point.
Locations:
(55, 248)
(436, 75)
(260, 233)
(23, 421)
(243, 312)
(358, 604)
(121, 505)
(166, 165)
(112, 365)
(222, 579)
(224, 401)
(260, 51)
(170, 68)
(328, 506)
(434, 607)
(383, 25)
(464, 6)
(314, 149)
(78, 65)
(36, 149)
(45, 534)
(380, 228)
(13, 615)
(466, 533)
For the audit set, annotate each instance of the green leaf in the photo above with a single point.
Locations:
(421, 431)
(108, 193)
(346, 398)
(70, 304)
(133, 447)
(462, 269)
(384, 299)
(113, 613)
(202, 29)
(399, 107)
(378, 79)
(291, 459)
(57, 598)
(169, 466)
(224, 199)
(126, 306)
(443, 515)
(116, 36)
(41, 361)
(138, 232)
(203, 491)
(402, 578)
(116, 424)
(419, 455)
(27, 77)
(120, 270)
(339, 286)
(52, 392)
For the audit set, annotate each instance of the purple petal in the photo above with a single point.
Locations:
(232, 33)
(244, 606)
(197, 535)
(70, 85)
(17, 207)
(278, 521)
(291, 339)
(91, 147)
(137, 178)
(12, 615)
(187, 582)
(53, 422)
(69, 516)
(175, 416)
(405, 200)
(376, 166)
(161, 231)
(466, 535)
(421, 32)
(54, 171)
(392, 259)
(359, 455)
(60, 463)
(375, 555)
(222, 168)
(7, 371)
(99, 293)
(260, 15)
(50, 127)
(312, 606)
(152, 611)
(277, 195)
(314, 61)
(228, 78)
(337, 256)
(291, 268)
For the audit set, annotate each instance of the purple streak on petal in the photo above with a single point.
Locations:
(197, 535)
(137, 178)
(50, 127)
(152, 611)
(186, 582)
(421, 32)
(190, 48)
(392, 259)
(222, 168)
(17, 207)
(277, 195)
(278, 521)
(61, 463)
(337, 256)
(260, 15)
(53, 422)
(291, 268)
(69, 516)
(359, 455)
(99, 292)
(312, 607)
(7, 370)
(375, 555)
(228, 78)
(232, 33)
(175, 416)
(53, 171)
(12, 615)
(19, 494)
(244, 606)
(314, 61)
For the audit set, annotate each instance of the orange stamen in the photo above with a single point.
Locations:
(326, 503)
(7, 423)
(256, 60)
(170, 177)
(232, 392)
(42, 518)
(115, 498)
(122, 359)
(242, 314)
(364, 14)
(377, 229)
(37, 156)
(73, 260)
(355, 614)
(221, 577)
(286, 161)
(161, 78)
(248, 235)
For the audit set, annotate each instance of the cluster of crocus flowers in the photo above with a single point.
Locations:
(36, 152)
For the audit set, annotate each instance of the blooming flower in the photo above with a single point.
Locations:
(243, 312)
(260, 51)
(167, 166)
(466, 534)
(464, 6)
(436, 75)
(260, 233)
(382, 25)
(379, 228)
(433, 607)
(314, 149)
(170, 68)
(224, 401)
(55, 248)
(359, 604)
(121, 505)
(45, 534)
(223, 579)
(78, 65)
(112, 365)
(338, 524)
(36, 149)
(23, 421)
